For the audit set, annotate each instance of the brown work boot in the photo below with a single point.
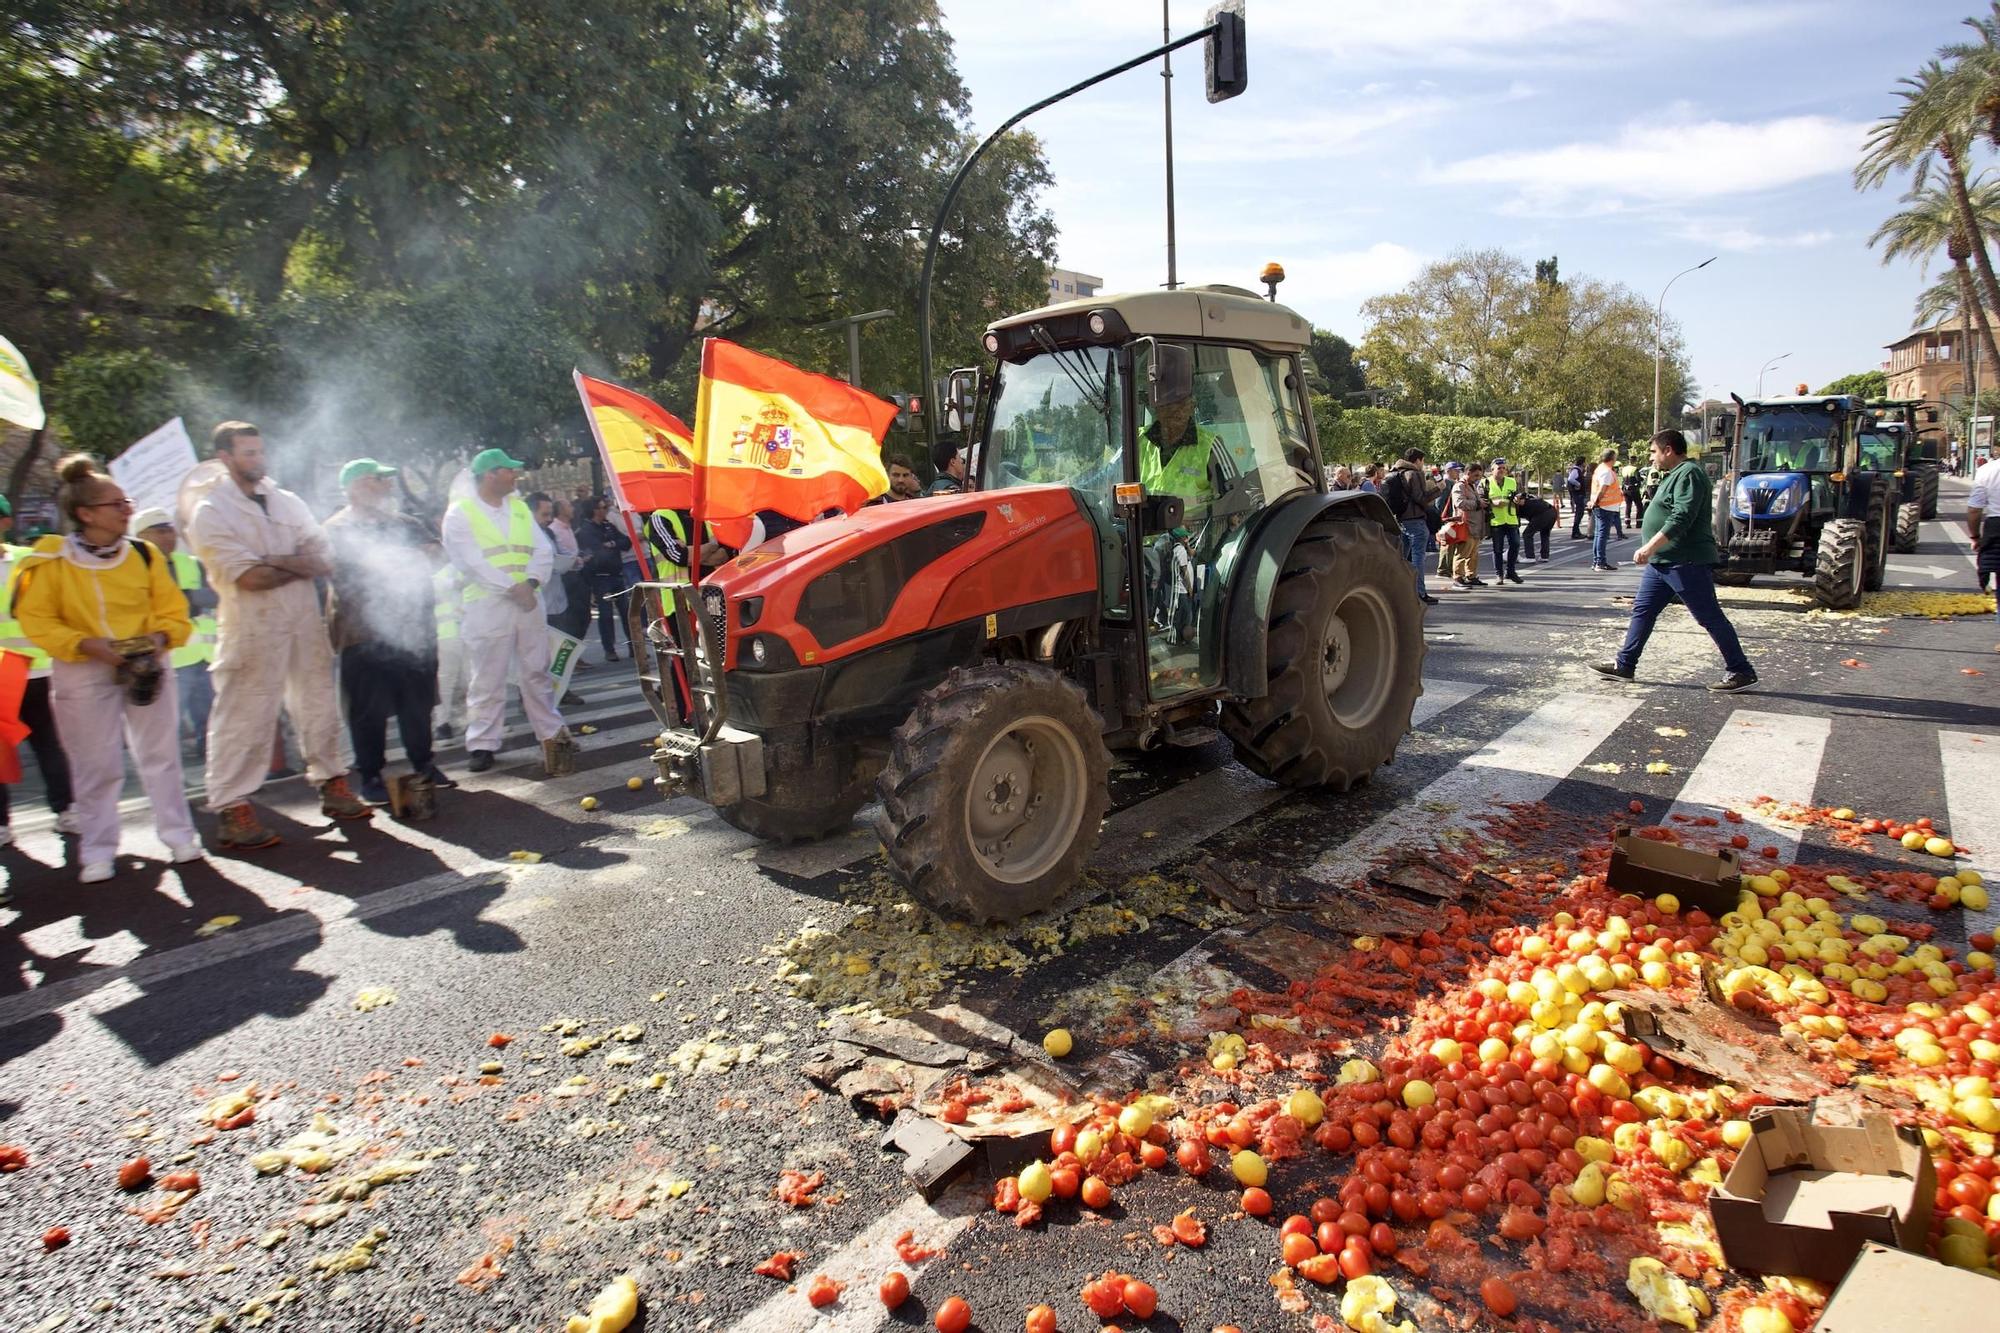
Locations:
(337, 801)
(242, 831)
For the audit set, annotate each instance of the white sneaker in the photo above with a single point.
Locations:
(180, 856)
(66, 822)
(98, 871)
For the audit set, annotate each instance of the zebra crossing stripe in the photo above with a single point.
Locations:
(1524, 763)
(1758, 754)
(1973, 816)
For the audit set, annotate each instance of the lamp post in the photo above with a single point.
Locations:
(1766, 370)
(1659, 321)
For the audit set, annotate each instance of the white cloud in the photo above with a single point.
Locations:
(1328, 285)
(1671, 159)
(1739, 237)
(1508, 33)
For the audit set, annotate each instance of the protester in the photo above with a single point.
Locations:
(191, 660)
(105, 607)
(1343, 477)
(384, 625)
(35, 713)
(1504, 522)
(904, 483)
(1371, 480)
(951, 465)
(262, 551)
(1607, 503)
(491, 539)
(1576, 481)
(602, 544)
(1407, 492)
(1538, 519)
(1982, 521)
(1677, 551)
(1465, 504)
(667, 532)
(1628, 486)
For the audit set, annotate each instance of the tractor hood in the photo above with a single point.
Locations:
(1769, 495)
(840, 585)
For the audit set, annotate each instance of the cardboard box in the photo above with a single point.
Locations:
(1806, 1194)
(1889, 1289)
(1708, 880)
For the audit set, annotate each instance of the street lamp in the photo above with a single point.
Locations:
(1767, 367)
(1659, 320)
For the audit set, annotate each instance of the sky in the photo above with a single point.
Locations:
(1630, 140)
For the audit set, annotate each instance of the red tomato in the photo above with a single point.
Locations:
(1105, 1296)
(1335, 1138)
(895, 1289)
(954, 1316)
(1382, 1239)
(1321, 1268)
(1153, 1155)
(1062, 1140)
(1096, 1194)
(1192, 1156)
(1325, 1210)
(1064, 1182)
(1970, 1190)
(1499, 1296)
(1140, 1298)
(1041, 1319)
(55, 1238)
(134, 1173)
(1298, 1224)
(1356, 1260)
(1329, 1236)
(1257, 1202)
(1521, 1224)
(1297, 1248)
(1188, 1229)
(823, 1290)
(954, 1112)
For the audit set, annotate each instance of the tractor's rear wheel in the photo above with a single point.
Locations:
(1840, 565)
(1345, 655)
(994, 790)
(1908, 514)
(1880, 534)
(803, 799)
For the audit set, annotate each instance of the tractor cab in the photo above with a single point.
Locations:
(1807, 491)
(1923, 462)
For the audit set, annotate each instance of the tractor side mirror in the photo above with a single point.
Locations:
(1161, 513)
(1169, 374)
(961, 394)
(1930, 416)
(1718, 429)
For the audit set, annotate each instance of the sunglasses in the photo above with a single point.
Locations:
(122, 502)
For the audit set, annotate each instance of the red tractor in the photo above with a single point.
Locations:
(1147, 550)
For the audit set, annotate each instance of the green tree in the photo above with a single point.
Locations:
(1331, 368)
(1861, 384)
(1929, 222)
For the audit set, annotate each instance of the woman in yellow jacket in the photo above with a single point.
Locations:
(107, 609)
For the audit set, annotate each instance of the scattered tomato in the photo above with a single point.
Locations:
(1095, 1193)
(1041, 1319)
(55, 1238)
(134, 1174)
(954, 1316)
(1140, 1298)
(1499, 1296)
(824, 1290)
(894, 1289)
(1257, 1202)
(181, 1181)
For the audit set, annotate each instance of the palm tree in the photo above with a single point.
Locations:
(1929, 222)
(1932, 132)
(1979, 64)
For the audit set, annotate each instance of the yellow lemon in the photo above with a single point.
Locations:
(633, 784)
(1248, 1168)
(1058, 1042)
(589, 802)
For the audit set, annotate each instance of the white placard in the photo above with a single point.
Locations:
(151, 470)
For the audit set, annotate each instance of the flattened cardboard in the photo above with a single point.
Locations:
(1708, 880)
(1890, 1289)
(1805, 1194)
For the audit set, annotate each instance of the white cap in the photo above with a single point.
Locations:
(150, 518)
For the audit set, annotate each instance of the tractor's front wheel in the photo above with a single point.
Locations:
(1880, 533)
(804, 799)
(994, 790)
(1840, 565)
(1908, 515)
(1345, 653)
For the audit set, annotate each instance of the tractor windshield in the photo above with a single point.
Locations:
(1882, 449)
(1790, 439)
(1056, 418)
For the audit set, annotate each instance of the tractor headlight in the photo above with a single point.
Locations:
(759, 654)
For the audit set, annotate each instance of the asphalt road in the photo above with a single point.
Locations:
(126, 1008)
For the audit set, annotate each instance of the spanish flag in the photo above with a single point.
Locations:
(768, 435)
(647, 450)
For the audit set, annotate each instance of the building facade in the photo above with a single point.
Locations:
(1933, 363)
(1066, 284)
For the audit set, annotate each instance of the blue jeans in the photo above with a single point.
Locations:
(1506, 550)
(1603, 520)
(1416, 537)
(1695, 585)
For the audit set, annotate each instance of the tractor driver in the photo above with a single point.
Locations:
(1174, 456)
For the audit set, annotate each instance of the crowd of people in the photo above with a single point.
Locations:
(256, 614)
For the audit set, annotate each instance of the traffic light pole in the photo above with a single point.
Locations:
(965, 168)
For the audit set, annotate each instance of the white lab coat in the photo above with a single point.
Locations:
(271, 646)
(500, 636)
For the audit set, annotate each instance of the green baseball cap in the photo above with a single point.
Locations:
(363, 467)
(486, 460)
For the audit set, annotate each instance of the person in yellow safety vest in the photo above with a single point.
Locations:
(35, 712)
(1174, 456)
(263, 549)
(191, 660)
(491, 539)
(449, 717)
(1503, 490)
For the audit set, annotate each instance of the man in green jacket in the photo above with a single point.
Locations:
(1678, 555)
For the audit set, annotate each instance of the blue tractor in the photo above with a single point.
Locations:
(1809, 487)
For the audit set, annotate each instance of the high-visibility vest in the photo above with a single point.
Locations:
(11, 638)
(507, 552)
(672, 519)
(1501, 491)
(200, 646)
(1185, 473)
(450, 602)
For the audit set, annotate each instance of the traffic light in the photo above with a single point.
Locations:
(909, 411)
(1224, 52)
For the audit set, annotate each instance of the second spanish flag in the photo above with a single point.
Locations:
(768, 435)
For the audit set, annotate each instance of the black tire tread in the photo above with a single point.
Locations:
(1908, 515)
(1841, 542)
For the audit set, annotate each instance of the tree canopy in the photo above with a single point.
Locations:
(1482, 334)
(1862, 384)
(398, 226)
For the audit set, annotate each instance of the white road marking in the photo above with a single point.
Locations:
(1757, 754)
(1970, 761)
(1525, 763)
(861, 1263)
